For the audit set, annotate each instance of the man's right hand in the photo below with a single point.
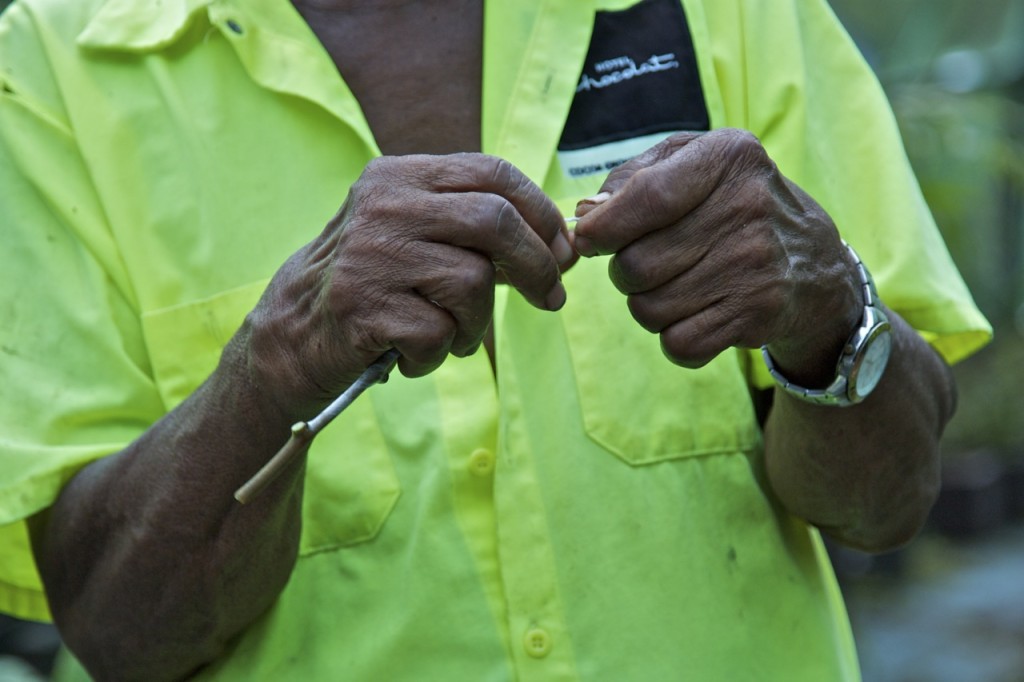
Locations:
(409, 262)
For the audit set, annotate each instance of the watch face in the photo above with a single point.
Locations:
(873, 362)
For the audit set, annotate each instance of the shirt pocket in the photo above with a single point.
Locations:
(351, 486)
(634, 402)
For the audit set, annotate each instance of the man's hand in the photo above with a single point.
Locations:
(714, 248)
(409, 262)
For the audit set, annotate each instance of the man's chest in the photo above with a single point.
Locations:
(416, 72)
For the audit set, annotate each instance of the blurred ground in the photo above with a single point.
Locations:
(15, 670)
(26, 650)
(943, 611)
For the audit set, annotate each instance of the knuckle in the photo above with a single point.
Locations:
(469, 285)
(680, 349)
(425, 340)
(494, 210)
(621, 174)
(513, 230)
(504, 174)
(693, 337)
(470, 219)
(375, 165)
(745, 150)
(466, 349)
(373, 204)
(757, 254)
(627, 273)
(677, 141)
(505, 215)
(646, 313)
(655, 190)
(739, 138)
(379, 170)
(435, 338)
(673, 346)
(418, 368)
(477, 281)
(380, 162)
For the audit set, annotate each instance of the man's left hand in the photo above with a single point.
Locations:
(715, 248)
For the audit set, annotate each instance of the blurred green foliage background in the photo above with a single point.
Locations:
(954, 72)
(945, 608)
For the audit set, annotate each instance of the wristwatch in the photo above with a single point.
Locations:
(863, 359)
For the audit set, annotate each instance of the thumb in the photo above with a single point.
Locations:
(622, 174)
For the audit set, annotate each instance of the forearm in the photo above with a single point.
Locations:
(149, 563)
(866, 474)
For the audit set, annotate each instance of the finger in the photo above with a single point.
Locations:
(462, 284)
(748, 301)
(659, 194)
(621, 174)
(585, 206)
(725, 233)
(491, 226)
(655, 259)
(482, 173)
(654, 155)
(421, 331)
(699, 338)
(658, 309)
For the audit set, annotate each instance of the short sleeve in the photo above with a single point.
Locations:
(75, 383)
(810, 97)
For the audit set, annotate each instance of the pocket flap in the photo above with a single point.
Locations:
(351, 485)
(635, 402)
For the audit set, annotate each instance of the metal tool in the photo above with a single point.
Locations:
(304, 432)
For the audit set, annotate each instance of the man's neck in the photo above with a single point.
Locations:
(415, 69)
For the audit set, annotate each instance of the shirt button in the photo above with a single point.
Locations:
(481, 462)
(537, 642)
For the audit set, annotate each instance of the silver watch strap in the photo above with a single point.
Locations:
(837, 393)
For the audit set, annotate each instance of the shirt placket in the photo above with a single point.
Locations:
(540, 642)
(533, 55)
(469, 426)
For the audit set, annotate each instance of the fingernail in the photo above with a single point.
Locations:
(556, 297)
(560, 249)
(584, 247)
(598, 198)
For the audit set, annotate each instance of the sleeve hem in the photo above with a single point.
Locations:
(24, 602)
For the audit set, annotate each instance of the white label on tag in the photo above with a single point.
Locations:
(579, 163)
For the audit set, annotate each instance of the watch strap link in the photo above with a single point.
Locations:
(839, 392)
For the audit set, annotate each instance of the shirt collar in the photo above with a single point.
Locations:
(137, 26)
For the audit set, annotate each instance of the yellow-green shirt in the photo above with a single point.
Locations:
(593, 512)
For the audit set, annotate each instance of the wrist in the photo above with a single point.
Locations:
(862, 356)
(808, 355)
(258, 379)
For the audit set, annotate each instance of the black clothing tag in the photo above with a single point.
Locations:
(640, 79)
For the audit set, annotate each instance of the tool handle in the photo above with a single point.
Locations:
(297, 443)
(304, 432)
